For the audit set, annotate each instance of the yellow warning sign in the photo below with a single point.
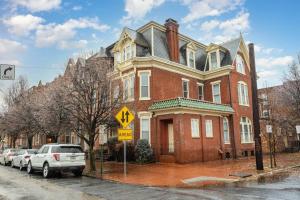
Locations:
(125, 134)
(124, 117)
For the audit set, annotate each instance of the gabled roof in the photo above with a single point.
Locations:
(190, 103)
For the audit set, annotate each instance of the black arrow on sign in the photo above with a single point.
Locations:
(8, 69)
(127, 114)
(123, 119)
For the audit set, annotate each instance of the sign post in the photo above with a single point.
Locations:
(124, 117)
(269, 131)
(103, 140)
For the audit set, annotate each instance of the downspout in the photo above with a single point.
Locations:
(232, 136)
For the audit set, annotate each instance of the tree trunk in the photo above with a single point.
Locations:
(92, 158)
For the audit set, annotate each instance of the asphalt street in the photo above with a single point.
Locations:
(16, 185)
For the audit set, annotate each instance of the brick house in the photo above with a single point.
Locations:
(192, 102)
(275, 111)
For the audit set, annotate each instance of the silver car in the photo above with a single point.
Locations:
(22, 157)
(6, 156)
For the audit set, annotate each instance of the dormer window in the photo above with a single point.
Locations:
(214, 60)
(191, 59)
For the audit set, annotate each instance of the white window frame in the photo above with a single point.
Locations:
(142, 116)
(207, 133)
(140, 84)
(202, 88)
(242, 130)
(212, 91)
(188, 87)
(130, 79)
(243, 98)
(239, 60)
(188, 58)
(195, 132)
(217, 57)
(226, 140)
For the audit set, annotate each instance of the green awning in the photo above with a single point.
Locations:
(190, 103)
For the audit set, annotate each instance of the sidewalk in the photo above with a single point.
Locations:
(195, 174)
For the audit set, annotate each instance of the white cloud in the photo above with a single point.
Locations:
(9, 51)
(209, 25)
(73, 44)
(267, 74)
(227, 29)
(274, 62)
(76, 8)
(37, 5)
(57, 34)
(137, 9)
(21, 25)
(203, 8)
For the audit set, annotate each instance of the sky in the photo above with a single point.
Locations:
(39, 36)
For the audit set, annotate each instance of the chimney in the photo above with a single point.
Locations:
(172, 39)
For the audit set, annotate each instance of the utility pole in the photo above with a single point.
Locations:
(256, 125)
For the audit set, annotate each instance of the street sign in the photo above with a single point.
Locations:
(269, 128)
(7, 72)
(124, 117)
(125, 134)
(298, 129)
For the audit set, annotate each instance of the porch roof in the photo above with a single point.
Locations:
(181, 102)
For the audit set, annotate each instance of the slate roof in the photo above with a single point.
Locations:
(190, 103)
(137, 37)
(232, 46)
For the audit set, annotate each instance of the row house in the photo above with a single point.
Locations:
(274, 111)
(191, 101)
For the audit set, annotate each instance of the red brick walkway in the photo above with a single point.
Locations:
(172, 175)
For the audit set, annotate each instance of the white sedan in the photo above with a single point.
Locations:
(22, 157)
(6, 156)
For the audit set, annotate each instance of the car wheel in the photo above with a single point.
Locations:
(46, 171)
(5, 163)
(29, 168)
(78, 173)
(12, 163)
(21, 166)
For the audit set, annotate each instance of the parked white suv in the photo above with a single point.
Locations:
(52, 158)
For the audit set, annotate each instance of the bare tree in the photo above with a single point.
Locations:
(89, 102)
(54, 114)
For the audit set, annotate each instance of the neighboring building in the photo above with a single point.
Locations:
(192, 102)
(275, 111)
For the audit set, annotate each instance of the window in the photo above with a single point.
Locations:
(126, 83)
(226, 131)
(208, 128)
(246, 130)
(240, 66)
(144, 85)
(145, 129)
(117, 57)
(243, 94)
(128, 52)
(213, 60)
(216, 92)
(129, 88)
(67, 138)
(195, 128)
(45, 150)
(185, 88)
(200, 91)
(191, 59)
(116, 92)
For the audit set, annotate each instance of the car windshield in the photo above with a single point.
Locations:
(66, 149)
(31, 151)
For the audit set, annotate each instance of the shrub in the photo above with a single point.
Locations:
(143, 152)
(129, 152)
(112, 148)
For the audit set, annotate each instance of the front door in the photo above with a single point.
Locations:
(170, 138)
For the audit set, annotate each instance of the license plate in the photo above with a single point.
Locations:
(72, 157)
